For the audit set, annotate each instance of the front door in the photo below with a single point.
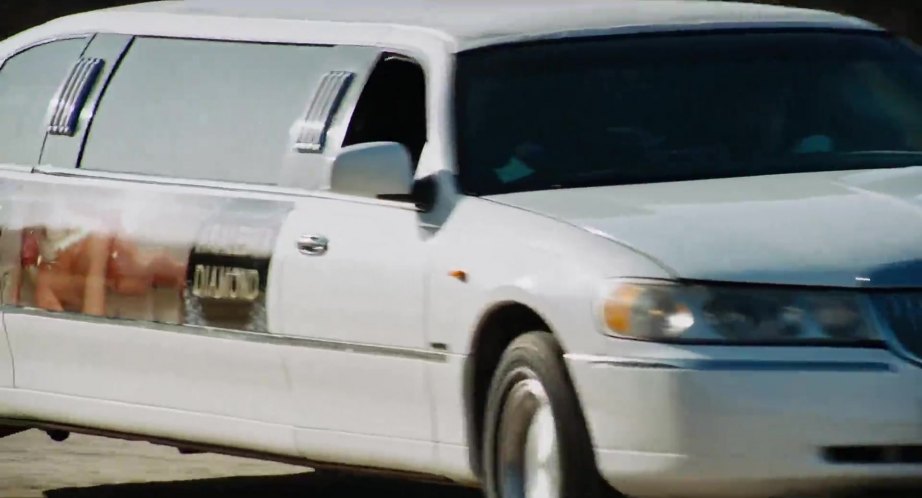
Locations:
(352, 281)
(352, 272)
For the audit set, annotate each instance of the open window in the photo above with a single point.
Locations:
(392, 107)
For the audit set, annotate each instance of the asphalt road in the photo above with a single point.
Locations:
(33, 466)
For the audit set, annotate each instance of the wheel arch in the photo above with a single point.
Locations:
(498, 326)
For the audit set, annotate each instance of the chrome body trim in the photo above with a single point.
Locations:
(216, 185)
(717, 365)
(16, 168)
(44, 41)
(430, 355)
(316, 123)
(72, 96)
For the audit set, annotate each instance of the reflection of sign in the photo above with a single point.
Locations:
(236, 240)
(199, 260)
(228, 269)
(222, 282)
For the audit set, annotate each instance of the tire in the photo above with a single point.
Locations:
(531, 406)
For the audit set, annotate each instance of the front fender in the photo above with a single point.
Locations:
(510, 255)
(486, 255)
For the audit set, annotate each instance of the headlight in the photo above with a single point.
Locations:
(663, 311)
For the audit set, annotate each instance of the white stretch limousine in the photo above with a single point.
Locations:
(551, 248)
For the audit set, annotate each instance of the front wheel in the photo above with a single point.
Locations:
(536, 444)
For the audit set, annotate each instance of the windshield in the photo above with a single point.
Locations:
(668, 107)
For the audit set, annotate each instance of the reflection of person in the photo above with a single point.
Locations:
(10, 268)
(75, 268)
(71, 266)
(132, 273)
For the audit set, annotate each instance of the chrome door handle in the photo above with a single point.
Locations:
(313, 245)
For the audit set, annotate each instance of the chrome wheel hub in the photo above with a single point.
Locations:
(529, 452)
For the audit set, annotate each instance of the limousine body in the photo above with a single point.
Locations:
(551, 248)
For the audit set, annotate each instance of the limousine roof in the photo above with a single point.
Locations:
(466, 24)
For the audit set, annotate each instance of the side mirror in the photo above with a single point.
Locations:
(424, 193)
(377, 169)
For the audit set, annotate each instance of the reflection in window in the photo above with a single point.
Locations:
(655, 108)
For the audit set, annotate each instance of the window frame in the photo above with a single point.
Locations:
(340, 123)
(334, 136)
(437, 68)
(385, 57)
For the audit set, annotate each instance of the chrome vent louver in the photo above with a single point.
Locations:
(320, 114)
(72, 96)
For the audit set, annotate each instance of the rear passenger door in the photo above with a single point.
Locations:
(153, 257)
(28, 81)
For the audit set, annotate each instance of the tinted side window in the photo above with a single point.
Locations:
(203, 109)
(28, 82)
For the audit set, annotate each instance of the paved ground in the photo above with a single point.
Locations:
(33, 466)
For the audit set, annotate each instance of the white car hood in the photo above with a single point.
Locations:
(842, 229)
